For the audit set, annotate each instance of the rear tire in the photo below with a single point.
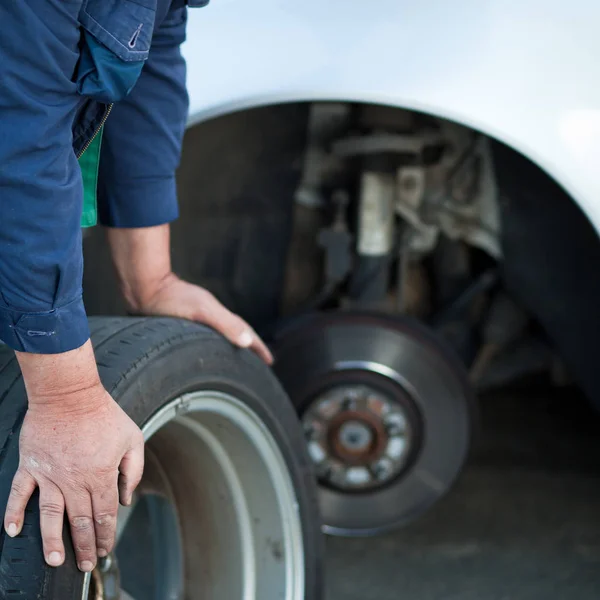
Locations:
(178, 378)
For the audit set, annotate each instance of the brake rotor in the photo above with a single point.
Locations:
(386, 412)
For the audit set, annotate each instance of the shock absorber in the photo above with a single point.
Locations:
(375, 235)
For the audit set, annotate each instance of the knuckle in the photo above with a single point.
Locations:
(50, 509)
(52, 541)
(206, 296)
(81, 524)
(105, 542)
(84, 550)
(18, 489)
(106, 520)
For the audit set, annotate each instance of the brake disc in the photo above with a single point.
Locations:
(386, 411)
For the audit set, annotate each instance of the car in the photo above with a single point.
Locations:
(403, 199)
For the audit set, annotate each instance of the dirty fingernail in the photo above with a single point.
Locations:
(54, 559)
(102, 552)
(245, 339)
(12, 529)
(85, 565)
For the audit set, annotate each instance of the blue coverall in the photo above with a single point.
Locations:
(62, 62)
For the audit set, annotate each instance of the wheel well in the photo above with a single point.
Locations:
(551, 251)
(237, 180)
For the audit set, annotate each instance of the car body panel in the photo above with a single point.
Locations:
(521, 72)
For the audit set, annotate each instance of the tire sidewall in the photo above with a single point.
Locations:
(208, 363)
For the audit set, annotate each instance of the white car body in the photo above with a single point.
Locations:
(521, 72)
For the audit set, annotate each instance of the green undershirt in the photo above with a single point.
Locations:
(89, 162)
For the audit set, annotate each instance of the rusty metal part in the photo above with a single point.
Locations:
(357, 454)
(384, 143)
(359, 437)
(106, 580)
(96, 591)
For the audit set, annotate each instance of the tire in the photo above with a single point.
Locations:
(229, 498)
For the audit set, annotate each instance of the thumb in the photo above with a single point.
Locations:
(130, 473)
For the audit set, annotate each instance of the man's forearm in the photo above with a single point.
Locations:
(142, 259)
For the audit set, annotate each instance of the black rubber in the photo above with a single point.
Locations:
(144, 363)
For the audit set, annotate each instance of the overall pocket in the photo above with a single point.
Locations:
(116, 42)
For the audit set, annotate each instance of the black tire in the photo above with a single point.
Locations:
(144, 363)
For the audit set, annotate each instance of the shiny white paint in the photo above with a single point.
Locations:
(524, 71)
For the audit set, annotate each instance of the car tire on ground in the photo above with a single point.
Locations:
(227, 508)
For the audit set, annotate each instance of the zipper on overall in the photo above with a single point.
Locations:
(97, 131)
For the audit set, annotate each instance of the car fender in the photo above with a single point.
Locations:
(521, 72)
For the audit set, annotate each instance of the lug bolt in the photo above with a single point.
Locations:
(382, 469)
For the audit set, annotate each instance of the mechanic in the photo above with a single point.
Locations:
(63, 63)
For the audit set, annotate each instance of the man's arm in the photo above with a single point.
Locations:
(143, 136)
(63, 449)
(138, 196)
(41, 309)
(143, 264)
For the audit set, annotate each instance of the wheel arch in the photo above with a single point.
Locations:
(541, 221)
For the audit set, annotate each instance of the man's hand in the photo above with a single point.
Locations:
(81, 450)
(177, 298)
(143, 263)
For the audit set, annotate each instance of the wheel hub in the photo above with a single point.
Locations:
(358, 437)
(354, 437)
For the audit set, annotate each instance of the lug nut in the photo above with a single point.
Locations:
(382, 469)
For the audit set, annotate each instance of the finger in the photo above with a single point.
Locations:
(235, 329)
(52, 513)
(105, 504)
(23, 485)
(215, 315)
(79, 509)
(261, 349)
(131, 470)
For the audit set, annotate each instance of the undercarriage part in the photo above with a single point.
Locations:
(327, 121)
(336, 242)
(370, 282)
(303, 273)
(386, 413)
(504, 324)
(452, 273)
(303, 265)
(375, 239)
(460, 306)
(225, 509)
(436, 176)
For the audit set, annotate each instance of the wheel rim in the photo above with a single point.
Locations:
(239, 537)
